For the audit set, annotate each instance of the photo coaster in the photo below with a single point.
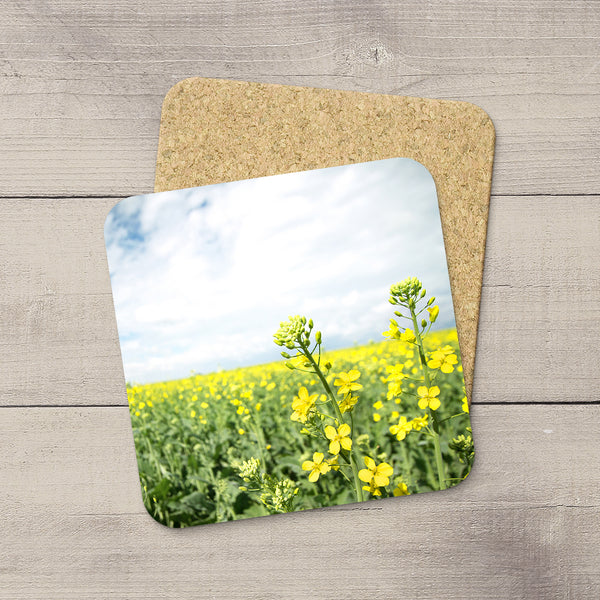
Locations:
(289, 342)
(216, 130)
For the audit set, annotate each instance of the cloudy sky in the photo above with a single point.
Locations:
(202, 277)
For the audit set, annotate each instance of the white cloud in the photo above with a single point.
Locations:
(202, 277)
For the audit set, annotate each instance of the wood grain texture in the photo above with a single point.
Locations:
(81, 87)
(82, 84)
(540, 299)
(523, 525)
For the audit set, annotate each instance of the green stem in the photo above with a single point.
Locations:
(260, 442)
(405, 461)
(357, 482)
(439, 461)
(336, 409)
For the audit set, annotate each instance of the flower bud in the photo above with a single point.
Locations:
(310, 323)
(285, 355)
(424, 323)
(318, 337)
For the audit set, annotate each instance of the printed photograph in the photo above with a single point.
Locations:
(289, 343)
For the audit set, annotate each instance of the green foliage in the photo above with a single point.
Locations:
(188, 440)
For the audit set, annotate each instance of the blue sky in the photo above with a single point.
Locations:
(202, 277)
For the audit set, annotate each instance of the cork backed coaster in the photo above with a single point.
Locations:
(215, 131)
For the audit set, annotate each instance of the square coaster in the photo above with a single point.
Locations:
(289, 342)
(216, 130)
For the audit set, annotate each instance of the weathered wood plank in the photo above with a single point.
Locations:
(82, 86)
(539, 309)
(57, 324)
(538, 324)
(525, 524)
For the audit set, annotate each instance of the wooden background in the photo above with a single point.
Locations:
(80, 98)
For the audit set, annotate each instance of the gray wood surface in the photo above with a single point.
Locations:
(81, 87)
(83, 82)
(523, 525)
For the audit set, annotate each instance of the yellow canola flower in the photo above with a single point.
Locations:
(347, 382)
(316, 466)
(372, 489)
(401, 490)
(302, 404)
(419, 422)
(433, 311)
(394, 390)
(428, 397)
(339, 437)
(347, 404)
(442, 360)
(204, 405)
(333, 463)
(401, 429)
(395, 373)
(378, 474)
(376, 417)
(408, 336)
(465, 405)
(241, 431)
(393, 332)
(378, 405)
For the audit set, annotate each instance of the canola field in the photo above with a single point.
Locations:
(363, 423)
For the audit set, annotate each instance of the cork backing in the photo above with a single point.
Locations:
(215, 130)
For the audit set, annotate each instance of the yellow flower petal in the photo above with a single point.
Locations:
(318, 458)
(365, 475)
(330, 432)
(344, 430)
(385, 469)
(380, 480)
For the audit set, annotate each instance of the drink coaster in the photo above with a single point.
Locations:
(215, 130)
(289, 342)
